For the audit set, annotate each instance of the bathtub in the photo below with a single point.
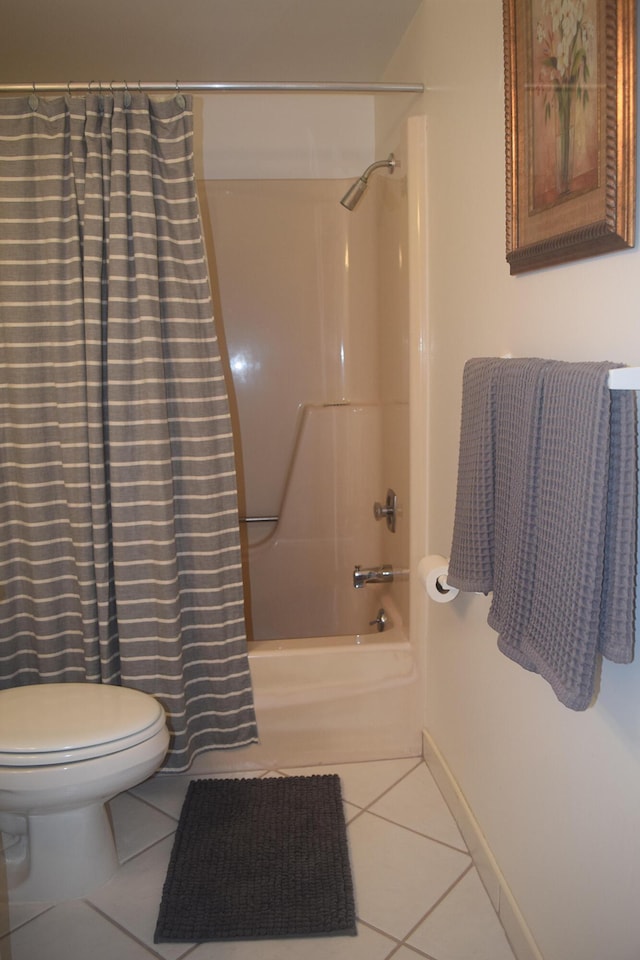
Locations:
(328, 700)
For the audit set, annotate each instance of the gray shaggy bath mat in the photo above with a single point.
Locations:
(256, 859)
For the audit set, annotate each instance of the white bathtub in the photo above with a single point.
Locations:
(328, 700)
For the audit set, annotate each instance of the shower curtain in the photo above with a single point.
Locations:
(119, 540)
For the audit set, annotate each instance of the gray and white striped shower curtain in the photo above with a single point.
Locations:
(119, 539)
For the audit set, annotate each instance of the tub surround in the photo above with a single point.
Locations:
(328, 305)
(329, 700)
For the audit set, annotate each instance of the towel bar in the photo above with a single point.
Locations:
(624, 378)
(620, 378)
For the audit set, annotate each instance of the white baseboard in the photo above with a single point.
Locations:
(517, 931)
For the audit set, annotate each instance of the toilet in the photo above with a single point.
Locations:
(65, 750)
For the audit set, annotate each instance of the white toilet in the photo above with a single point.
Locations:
(65, 749)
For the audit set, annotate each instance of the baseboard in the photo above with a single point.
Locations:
(517, 931)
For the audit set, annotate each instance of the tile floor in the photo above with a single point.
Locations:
(417, 891)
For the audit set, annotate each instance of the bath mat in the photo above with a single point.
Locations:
(256, 859)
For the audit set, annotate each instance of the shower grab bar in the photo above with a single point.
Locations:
(258, 519)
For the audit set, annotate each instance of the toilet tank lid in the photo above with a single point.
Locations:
(52, 717)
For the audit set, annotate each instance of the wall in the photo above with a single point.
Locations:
(282, 136)
(556, 793)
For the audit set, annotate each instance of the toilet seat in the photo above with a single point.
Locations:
(56, 723)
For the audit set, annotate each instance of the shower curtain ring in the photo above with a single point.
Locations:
(101, 99)
(180, 100)
(33, 97)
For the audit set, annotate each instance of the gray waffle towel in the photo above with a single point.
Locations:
(546, 515)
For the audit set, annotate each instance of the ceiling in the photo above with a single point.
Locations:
(200, 40)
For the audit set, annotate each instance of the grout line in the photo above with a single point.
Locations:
(139, 853)
(153, 806)
(434, 906)
(356, 816)
(418, 953)
(383, 933)
(128, 933)
(191, 949)
(367, 809)
(11, 930)
(127, 860)
(425, 836)
(395, 783)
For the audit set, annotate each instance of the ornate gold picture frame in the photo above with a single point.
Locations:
(570, 117)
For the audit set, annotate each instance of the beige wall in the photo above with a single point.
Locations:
(282, 136)
(556, 793)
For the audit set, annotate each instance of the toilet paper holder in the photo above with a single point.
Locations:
(433, 571)
(442, 585)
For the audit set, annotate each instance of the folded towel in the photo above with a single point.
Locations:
(546, 515)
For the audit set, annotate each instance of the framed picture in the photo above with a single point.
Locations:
(570, 89)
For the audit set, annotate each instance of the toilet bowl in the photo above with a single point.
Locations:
(65, 750)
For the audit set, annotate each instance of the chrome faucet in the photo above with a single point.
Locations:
(383, 574)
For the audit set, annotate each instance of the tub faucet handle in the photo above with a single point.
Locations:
(380, 620)
(387, 510)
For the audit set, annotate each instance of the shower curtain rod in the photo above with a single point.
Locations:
(240, 86)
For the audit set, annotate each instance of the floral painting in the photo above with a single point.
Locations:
(564, 105)
(570, 129)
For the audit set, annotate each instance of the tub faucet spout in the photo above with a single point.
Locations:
(383, 574)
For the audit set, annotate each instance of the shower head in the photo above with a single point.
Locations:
(355, 191)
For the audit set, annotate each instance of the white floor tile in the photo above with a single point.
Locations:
(350, 811)
(71, 931)
(401, 840)
(416, 802)
(167, 791)
(398, 875)
(464, 926)
(132, 898)
(13, 915)
(136, 825)
(362, 783)
(368, 945)
(406, 953)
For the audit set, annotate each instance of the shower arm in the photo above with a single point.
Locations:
(390, 162)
